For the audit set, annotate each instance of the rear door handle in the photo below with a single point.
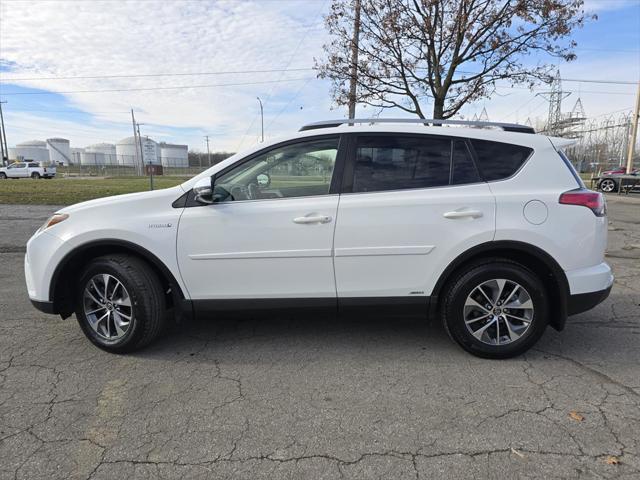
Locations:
(463, 214)
(309, 219)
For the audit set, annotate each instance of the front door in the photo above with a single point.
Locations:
(411, 202)
(270, 233)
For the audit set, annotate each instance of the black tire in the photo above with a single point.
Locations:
(3, 176)
(608, 185)
(35, 176)
(453, 307)
(146, 295)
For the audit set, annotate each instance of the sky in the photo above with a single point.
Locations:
(219, 40)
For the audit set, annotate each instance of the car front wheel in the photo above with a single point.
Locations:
(120, 303)
(3, 176)
(496, 309)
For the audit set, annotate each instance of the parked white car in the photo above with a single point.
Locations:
(490, 230)
(27, 170)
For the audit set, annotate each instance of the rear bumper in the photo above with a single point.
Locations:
(582, 302)
(587, 280)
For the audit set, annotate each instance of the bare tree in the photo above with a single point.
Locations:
(445, 52)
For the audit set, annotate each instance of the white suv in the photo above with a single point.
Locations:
(489, 229)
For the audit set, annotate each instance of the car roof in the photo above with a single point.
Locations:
(493, 134)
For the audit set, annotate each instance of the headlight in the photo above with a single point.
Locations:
(54, 219)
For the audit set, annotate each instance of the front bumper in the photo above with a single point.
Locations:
(45, 307)
(42, 256)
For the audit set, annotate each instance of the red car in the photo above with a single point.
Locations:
(612, 184)
(618, 171)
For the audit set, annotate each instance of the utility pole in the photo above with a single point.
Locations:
(135, 142)
(353, 82)
(3, 140)
(261, 121)
(142, 157)
(208, 153)
(634, 133)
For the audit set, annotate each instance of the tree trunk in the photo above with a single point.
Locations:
(438, 108)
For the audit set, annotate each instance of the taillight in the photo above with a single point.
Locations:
(585, 198)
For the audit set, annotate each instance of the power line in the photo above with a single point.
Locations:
(143, 75)
(613, 82)
(176, 87)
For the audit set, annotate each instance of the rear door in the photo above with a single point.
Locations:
(410, 204)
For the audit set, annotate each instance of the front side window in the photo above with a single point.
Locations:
(297, 170)
(398, 163)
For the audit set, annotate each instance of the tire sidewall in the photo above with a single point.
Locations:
(135, 328)
(454, 310)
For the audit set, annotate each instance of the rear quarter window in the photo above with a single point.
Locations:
(497, 160)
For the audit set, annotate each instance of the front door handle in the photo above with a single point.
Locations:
(311, 218)
(463, 214)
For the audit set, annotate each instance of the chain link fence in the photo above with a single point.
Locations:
(108, 165)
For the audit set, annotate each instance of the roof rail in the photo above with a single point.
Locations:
(507, 127)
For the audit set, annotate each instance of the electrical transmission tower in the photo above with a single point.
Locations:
(555, 97)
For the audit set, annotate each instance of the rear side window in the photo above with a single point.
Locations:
(399, 163)
(33, 165)
(463, 169)
(497, 161)
(569, 165)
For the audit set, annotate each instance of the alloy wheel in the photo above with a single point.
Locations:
(498, 311)
(107, 306)
(608, 186)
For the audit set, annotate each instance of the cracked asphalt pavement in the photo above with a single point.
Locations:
(319, 399)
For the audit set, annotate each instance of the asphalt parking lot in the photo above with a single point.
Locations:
(319, 399)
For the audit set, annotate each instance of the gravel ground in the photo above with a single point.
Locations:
(295, 398)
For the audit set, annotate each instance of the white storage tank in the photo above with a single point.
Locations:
(59, 150)
(126, 151)
(172, 155)
(35, 150)
(106, 152)
(76, 155)
(92, 158)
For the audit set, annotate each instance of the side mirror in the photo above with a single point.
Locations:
(264, 180)
(203, 190)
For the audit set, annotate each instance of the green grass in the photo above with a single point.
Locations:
(66, 191)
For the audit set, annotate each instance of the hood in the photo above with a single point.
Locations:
(173, 192)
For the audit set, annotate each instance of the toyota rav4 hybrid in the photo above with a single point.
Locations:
(488, 229)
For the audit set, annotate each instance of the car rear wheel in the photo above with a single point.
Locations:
(120, 303)
(608, 185)
(35, 175)
(496, 309)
